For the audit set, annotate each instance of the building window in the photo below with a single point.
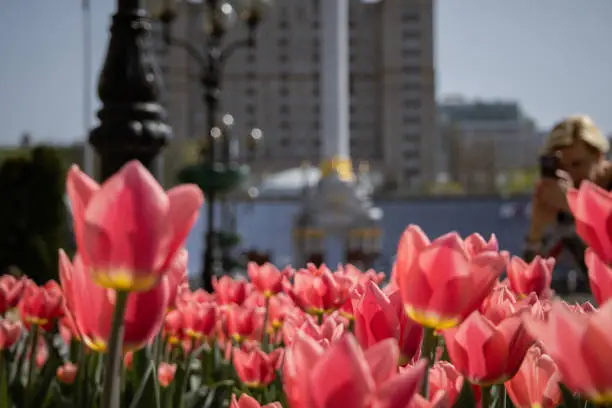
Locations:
(284, 91)
(412, 119)
(284, 125)
(283, 42)
(411, 53)
(250, 108)
(249, 91)
(284, 141)
(412, 104)
(411, 70)
(410, 17)
(410, 86)
(284, 109)
(283, 57)
(411, 34)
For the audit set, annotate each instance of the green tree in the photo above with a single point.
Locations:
(32, 213)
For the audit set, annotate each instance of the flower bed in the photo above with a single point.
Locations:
(122, 328)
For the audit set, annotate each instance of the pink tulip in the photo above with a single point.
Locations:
(128, 230)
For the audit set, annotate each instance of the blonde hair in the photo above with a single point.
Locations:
(572, 129)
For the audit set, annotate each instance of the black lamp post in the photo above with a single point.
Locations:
(218, 172)
(132, 121)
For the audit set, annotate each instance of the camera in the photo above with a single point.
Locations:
(549, 166)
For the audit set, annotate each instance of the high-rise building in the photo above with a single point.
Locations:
(486, 142)
(275, 86)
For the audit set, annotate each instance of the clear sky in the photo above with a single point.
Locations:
(552, 55)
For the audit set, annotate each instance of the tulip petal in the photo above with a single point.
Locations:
(596, 348)
(382, 359)
(80, 188)
(397, 392)
(600, 277)
(185, 203)
(341, 377)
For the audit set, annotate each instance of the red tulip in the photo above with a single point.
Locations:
(40, 305)
(345, 376)
(536, 382)
(42, 353)
(11, 290)
(128, 360)
(378, 317)
(358, 277)
(535, 276)
(241, 323)
(165, 373)
(600, 277)
(246, 401)
(230, 291)
(278, 309)
(438, 400)
(443, 376)
(9, 333)
(592, 209)
(328, 332)
(68, 330)
(585, 307)
(580, 344)
(318, 290)
(255, 368)
(66, 373)
(475, 244)
(91, 308)
(128, 230)
(177, 277)
(487, 352)
(267, 279)
(442, 282)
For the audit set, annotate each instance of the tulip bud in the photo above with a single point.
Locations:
(9, 333)
(165, 374)
(66, 374)
(128, 359)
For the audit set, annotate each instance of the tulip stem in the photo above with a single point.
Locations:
(428, 349)
(32, 363)
(265, 337)
(500, 395)
(112, 373)
(485, 401)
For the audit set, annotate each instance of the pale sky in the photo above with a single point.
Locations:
(551, 55)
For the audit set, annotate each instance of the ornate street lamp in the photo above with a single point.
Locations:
(219, 171)
(132, 121)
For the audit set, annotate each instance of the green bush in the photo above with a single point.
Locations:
(32, 213)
